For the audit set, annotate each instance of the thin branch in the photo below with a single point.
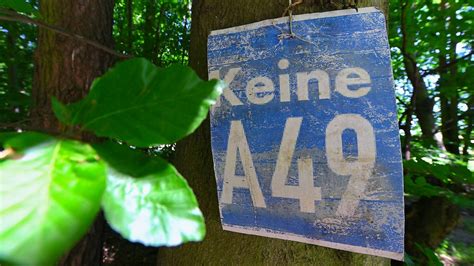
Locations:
(30, 128)
(402, 101)
(15, 125)
(8, 15)
(440, 68)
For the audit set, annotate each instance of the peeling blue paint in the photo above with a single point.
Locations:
(332, 43)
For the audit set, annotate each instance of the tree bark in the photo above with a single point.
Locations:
(129, 12)
(65, 69)
(157, 45)
(449, 97)
(149, 30)
(184, 42)
(468, 131)
(428, 222)
(194, 158)
(11, 62)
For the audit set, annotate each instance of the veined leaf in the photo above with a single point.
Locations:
(158, 209)
(49, 197)
(142, 104)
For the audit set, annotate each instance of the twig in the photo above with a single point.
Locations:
(14, 125)
(401, 101)
(439, 68)
(49, 131)
(8, 15)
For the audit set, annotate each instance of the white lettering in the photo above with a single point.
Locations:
(237, 142)
(305, 191)
(302, 81)
(284, 81)
(227, 93)
(260, 90)
(343, 81)
(359, 169)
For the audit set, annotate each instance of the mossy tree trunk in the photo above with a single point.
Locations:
(194, 159)
(65, 69)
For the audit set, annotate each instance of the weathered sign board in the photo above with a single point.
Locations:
(305, 139)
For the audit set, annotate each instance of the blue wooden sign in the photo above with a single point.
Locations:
(305, 139)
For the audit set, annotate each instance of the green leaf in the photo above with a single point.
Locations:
(126, 160)
(430, 255)
(19, 6)
(158, 209)
(143, 105)
(408, 260)
(48, 199)
(20, 141)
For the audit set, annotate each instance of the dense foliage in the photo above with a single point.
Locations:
(157, 30)
(432, 53)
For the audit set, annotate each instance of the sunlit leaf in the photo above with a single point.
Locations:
(158, 209)
(20, 141)
(143, 105)
(48, 199)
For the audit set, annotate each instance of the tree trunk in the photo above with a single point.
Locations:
(129, 4)
(65, 69)
(422, 101)
(468, 132)
(157, 45)
(194, 159)
(11, 62)
(121, 39)
(428, 222)
(449, 97)
(149, 30)
(184, 42)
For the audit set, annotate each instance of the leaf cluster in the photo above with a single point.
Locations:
(156, 30)
(433, 173)
(52, 187)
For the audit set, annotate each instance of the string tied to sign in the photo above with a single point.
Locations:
(290, 34)
(289, 11)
